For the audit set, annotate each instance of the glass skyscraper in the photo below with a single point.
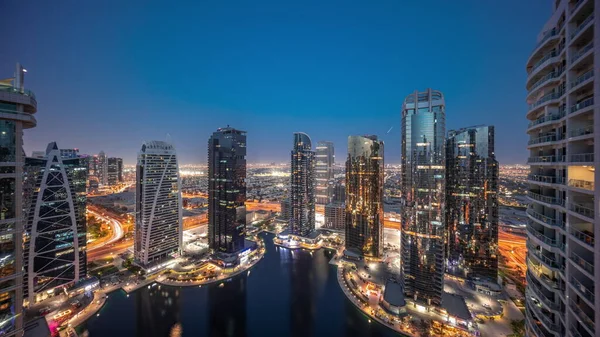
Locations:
(364, 196)
(158, 213)
(302, 186)
(227, 190)
(472, 203)
(324, 172)
(114, 171)
(423, 191)
(55, 234)
(17, 106)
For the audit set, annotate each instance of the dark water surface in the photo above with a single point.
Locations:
(286, 294)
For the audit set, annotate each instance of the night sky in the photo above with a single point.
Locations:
(111, 74)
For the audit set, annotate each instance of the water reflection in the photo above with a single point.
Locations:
(158, 312)
(227, 308)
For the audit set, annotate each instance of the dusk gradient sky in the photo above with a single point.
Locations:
(110, 74)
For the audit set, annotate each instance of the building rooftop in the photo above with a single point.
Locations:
(456, 306)
(394, 294)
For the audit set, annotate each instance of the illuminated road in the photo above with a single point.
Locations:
(512, 247)
(115, 227)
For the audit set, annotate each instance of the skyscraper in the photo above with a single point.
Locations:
(562, 297)
(324, 172)
(158, 223)
(335, 216)
(114, 171)
(472, 202)
(67, 153)
(423, 190)
(227, 190)
(364, 196)
(19, 106)
(55, 234)
(102, 169)
(302, 187)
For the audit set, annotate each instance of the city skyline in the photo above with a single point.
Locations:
(325, 84)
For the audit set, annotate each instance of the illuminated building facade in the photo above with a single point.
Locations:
(324, 172)
(17, 106)
(114, 171)
(562, 297)
(302, 187)
(102, 169)
(227, 190)
(335, 216)
(364, 196)
(55, 234)
(423, 190)
(472, 203)
(158, 217)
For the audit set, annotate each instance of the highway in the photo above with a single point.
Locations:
(514, 250)
(115, 227)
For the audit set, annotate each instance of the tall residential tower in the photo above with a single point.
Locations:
(302, 187)
(562, 297)
(423, 189)
(227, 190)
(324, 172)
(472, 203)
(158, 222)
(364, 196)
(17, 106)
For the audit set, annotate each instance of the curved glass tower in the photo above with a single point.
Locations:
(423, 189)
(364, 196)
(302, 187)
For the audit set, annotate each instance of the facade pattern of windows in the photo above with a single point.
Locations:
(472, 203)
(114, 171)
(423, 190)
(55, 235)
(324, 172)
(302, 186)
(158, 220)
(364, 196)
(102, 169)
(227, 190)
(18, 106)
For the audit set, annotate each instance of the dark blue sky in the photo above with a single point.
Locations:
(110, 74)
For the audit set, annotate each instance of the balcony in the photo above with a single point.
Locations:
(582, 78)
(582, 26)
(544, 219)
(547, 78)
(542, 179)
(584, 131)
(581, 262)
(536, 328)
(588, 322)
(545, 199)
(585, 210)
(544, 239)
(583, 236)
(547, 261)
(582, 158)
(583, 184)
(540, 294)
(575, 332)
(542, 159)
(550, 283)
(583, 104)
(576, 5)
(547, 118)
(546, 98)
(543, 139)
(547, 321)
(545, 61)
(582, 52)
(583, 290)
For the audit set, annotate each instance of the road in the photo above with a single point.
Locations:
(514, 250)
(115, 227)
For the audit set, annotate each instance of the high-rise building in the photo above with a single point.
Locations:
(302, 187)
(227, 190)
(18, 105)
(285, 209)
(423, 190)
(364, 196)
(158, 222)
(114, 171)
(472, 203)
(324, 172)
(339, 192)
(55, 233)
(68, 153)
(562, 298)
(38, 154)
(102, 169)
(335, 216)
